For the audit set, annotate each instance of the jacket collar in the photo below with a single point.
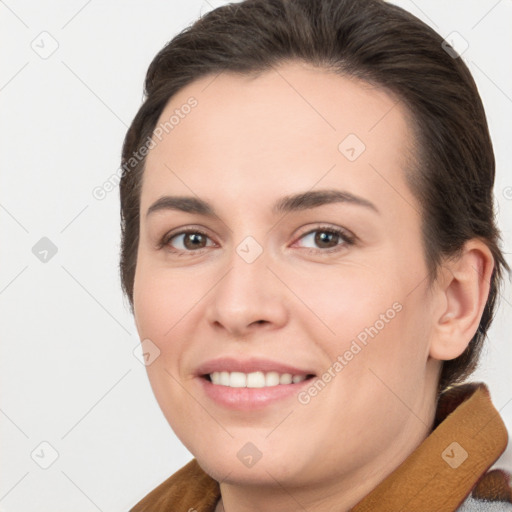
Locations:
(468, 437)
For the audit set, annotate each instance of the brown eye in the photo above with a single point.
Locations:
(326, 238)
(188, 241)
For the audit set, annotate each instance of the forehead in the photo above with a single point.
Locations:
(287, 128)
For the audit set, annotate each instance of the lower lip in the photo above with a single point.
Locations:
(248, 399)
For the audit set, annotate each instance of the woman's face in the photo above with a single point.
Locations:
(280, 248)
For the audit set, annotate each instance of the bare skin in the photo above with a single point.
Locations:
(304, 299)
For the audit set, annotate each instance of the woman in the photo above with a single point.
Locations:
(310, 253)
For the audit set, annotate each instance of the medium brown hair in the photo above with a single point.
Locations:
(381, 44)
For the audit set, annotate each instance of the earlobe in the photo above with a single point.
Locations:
(463, 292)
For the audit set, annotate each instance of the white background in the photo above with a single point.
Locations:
(68, 373)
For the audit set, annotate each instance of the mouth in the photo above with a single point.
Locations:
(251, 384)
(256, 379)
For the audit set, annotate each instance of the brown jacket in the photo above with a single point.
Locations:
(446, 473)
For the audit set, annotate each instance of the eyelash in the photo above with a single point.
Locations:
(346, 240)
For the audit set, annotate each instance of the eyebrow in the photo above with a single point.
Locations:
(296, 202)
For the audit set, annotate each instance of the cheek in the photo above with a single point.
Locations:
(160, 300)
(372, 314)
(160, 306)
(348, 299)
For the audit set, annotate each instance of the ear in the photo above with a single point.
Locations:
(461, 295)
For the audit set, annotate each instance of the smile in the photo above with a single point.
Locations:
(250, 384)
(253, 379)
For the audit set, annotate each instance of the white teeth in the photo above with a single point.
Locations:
(238, 380)
(254, 379)
(271, 379)
(285, 378)
(224, 379)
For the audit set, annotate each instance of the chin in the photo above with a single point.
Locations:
(236, 474)
(234, 466)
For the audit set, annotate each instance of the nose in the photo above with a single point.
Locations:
(247, 298)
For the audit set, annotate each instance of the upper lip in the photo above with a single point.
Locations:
(231, 364)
